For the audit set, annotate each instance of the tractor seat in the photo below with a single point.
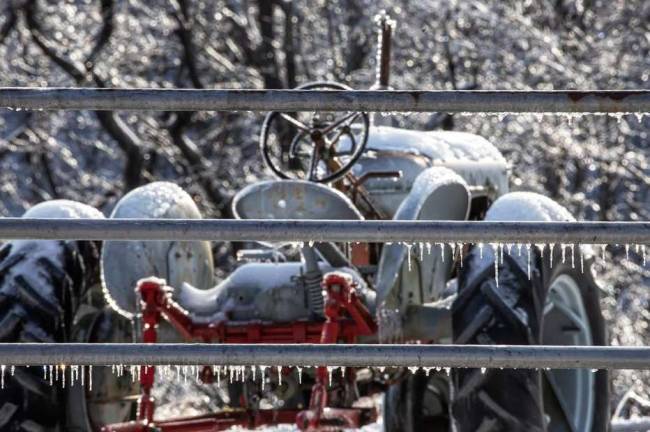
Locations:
(293, 199)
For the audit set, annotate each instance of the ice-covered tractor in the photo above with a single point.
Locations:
(334, 166)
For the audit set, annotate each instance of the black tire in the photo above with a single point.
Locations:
(417, 403)
(513, 313)
(41, 285)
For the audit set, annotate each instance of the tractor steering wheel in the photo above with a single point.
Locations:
(319, 147)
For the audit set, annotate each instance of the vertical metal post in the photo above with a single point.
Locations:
(384, 41)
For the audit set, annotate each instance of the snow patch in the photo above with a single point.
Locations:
(157, 200)
(527, 207)
(63, 209)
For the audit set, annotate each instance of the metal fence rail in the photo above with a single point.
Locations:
(409, 355)
(641, 424)
(502, 101)
(327, 230)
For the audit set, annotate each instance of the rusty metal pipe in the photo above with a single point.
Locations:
(457, 101)
(327, 230)
(409, 355)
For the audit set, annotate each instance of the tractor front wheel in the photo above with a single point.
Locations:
(556, 302)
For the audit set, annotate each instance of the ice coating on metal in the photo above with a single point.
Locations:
(473, 157)
(124, 263)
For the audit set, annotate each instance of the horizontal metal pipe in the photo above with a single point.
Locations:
(409, 355)
(327, 230)
(500, 101)
(641, 424)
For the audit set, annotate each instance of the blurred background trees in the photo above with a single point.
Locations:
(595, 165)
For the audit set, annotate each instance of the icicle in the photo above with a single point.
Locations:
(480, 250)
(279, 369)
(413, 369)
(573, 255)
(44, 373)
(299, 369)
(453, 251)
(63, 375)
(13, 370)
(263, 369)
(428, 248)
(643, 254)
(51, 376)
(563, 253)
(442, 251)
(90, 377)
(603, 251)
(408, 252)
(460, 253)
(83, 376)
(132, 373)
(582, 260)
(528, 255)
(495, 247)
(330, 370)
(483, 371)
(501, 252)
(56, 373)
(2, 379)
(448, 371)
(421, 248)
(627, 252)
(551, 253)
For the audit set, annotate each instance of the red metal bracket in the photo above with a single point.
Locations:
(346, 318)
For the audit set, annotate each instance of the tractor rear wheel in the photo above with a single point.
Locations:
(557, 305)
(41, 285)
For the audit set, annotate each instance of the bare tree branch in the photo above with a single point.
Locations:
(83, 73)
(265, 59)
(184, 33)
(104, 34)
(289, 43)
(9, 24)
(197, 163)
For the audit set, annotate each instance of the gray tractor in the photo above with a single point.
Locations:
(329, 166)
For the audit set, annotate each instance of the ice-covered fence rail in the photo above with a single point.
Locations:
(489, 101)
(409, 355)
(641, 424)
(327, 230)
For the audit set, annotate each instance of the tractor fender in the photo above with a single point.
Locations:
(438, 193)
(124, 263)
(63, 209)
(524, 207)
